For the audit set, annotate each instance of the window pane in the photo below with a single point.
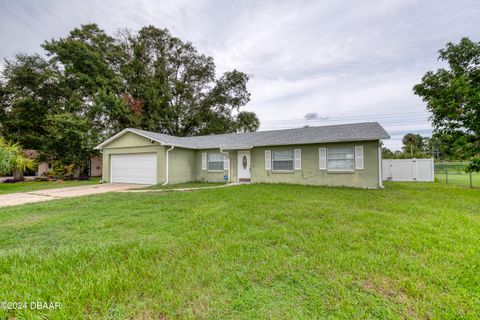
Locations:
(340, 164)
(215, 166)
(215, 161)
(283, 155)
(283, 165)
(282, 160)
(215, 157)
(340, 159)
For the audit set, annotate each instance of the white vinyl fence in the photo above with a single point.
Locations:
(408, 170)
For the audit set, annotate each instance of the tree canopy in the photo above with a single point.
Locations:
(413, 143)
(453, 95)
(414, 146)
(90, 85)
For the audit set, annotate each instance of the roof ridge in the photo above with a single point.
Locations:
(252, 132)
(360, 131)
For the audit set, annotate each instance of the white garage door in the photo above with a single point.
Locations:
(134, 168)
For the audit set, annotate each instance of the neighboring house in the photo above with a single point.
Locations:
(95, 167)
(95, 164)
(340, 155)
(30, 153)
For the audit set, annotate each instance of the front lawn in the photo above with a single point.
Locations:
(27, 186)
(411, 250)
(184, 185)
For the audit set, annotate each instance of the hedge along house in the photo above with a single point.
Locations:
(337, 155)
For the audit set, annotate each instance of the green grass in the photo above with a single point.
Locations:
(411, 250)
(27, 186)
(451, 166)
(184, 185)
(462, 179)
(456, 174)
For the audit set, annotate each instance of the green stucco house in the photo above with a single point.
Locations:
(337, 155)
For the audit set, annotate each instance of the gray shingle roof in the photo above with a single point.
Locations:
(324, 134)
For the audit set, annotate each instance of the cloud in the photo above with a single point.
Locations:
(349, 61)
(314, 116)
(311, 116)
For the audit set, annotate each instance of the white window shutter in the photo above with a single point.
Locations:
(226, 161)
(204, 161)
(322, 154)
(268, 159)
(359, 158)
(298, 159)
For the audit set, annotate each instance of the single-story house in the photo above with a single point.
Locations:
(94, 169)
(337, 155)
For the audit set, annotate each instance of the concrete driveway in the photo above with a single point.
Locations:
(13, 199)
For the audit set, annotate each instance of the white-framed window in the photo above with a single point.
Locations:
(282, 160)
(340, 159)
(215, 162)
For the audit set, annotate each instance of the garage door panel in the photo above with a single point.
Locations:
(134, 168)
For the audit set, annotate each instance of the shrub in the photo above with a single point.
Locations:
(12, 159)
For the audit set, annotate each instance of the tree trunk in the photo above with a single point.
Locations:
(18, 175)
(76, 173)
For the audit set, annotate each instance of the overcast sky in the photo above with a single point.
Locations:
(309, 62)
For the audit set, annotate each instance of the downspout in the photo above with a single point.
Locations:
(101, 180)
(166, 165)
(380, 184)
(228, 169)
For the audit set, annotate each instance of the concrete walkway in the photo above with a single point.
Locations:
(14, 199)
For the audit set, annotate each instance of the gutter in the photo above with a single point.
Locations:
(166, 165)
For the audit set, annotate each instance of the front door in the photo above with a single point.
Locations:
(243, 165)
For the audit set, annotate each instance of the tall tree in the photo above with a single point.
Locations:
(30, 93)
(70, 139)
(92, 85)
(452, 95)
(176, 85)
(452, 146)
(91, 82)
(387, 153)
(247, 121)
(413, 144)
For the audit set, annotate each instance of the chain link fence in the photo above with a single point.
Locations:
(454, 173)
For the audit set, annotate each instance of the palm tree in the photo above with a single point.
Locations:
(12, 159)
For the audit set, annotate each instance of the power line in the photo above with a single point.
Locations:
(341, 117)
(388, 120)
(395, 124)
(410, 131)
(375, 114)
(387, 124)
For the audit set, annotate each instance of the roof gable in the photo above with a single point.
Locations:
(129, 139)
